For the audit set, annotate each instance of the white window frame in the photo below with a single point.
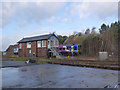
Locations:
(38, 44)
(28, 44)
(29, 51)
(20, 46)
(56, 43)
(43, 41)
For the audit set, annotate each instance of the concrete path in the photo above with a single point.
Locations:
(57, 76)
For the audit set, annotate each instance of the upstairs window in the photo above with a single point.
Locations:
(38, 44)
(28, 44)
(44, 43)
(56, 43)
(20, 46)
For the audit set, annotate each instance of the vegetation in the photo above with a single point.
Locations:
(110, 38)
(106, 40)
(91, 44)
(38, 60)
(62, 38)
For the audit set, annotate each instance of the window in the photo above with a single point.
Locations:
(75, 47)
(48, 42)
(20, 46)
(15, 50)
(30, 51)
(60, 48)
(38, 43)
(33, 53)
(56, 43)
(72, 48)
(68, 47)
(29, 45)
(44, 43)
(63, 48)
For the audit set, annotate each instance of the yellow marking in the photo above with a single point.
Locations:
(68, 57)
(77, 49)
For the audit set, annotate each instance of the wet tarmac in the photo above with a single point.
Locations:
(57, 76)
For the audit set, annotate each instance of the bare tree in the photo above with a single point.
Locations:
(87, 31)
(93, 30)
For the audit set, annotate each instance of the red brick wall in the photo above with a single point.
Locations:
(40, 52)
(46, 43)
(22, 51)
(24, 45)
(34, 48)
(27, 52)
(10, 50)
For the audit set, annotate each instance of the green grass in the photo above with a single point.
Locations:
(46, 60)
(38, 60)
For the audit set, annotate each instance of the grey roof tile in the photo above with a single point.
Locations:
(36, 38)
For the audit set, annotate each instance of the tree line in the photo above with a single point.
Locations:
(107, 40)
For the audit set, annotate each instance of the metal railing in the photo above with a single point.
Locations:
(55, 53)
(116, 87)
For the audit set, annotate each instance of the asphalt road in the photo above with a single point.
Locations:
(57, 76)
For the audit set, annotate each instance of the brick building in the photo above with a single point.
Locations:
(38, 46)
(12, 50)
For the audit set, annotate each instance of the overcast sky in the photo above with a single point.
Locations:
(25, 19)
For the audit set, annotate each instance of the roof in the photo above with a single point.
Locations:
(68, 44)
(37, 38)
(12, 46)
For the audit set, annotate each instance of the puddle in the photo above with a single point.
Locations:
(24, 70)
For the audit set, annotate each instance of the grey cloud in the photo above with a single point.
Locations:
(29, 11)
(102, 10)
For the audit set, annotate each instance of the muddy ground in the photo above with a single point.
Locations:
(57, 76)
